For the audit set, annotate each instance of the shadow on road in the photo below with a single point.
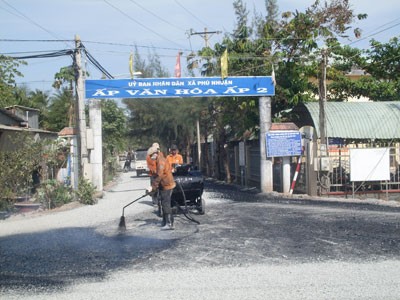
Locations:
(56, 257)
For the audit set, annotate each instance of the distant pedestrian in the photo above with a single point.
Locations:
(128, 160)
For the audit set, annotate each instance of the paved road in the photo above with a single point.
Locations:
(247, 245)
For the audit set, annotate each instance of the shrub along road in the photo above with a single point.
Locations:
(247, 245)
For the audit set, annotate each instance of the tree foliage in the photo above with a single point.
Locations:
(8, 73)
(166, 121)
(114, 127)
(59, 110)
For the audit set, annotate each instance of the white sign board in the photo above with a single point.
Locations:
(369, 164)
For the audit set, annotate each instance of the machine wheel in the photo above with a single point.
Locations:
(201, 206)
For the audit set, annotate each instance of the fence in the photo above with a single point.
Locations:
(336, 181)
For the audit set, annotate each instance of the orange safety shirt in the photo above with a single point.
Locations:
(164, 175)
(151, 164)
(175, 159)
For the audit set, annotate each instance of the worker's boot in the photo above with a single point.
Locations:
(169, 222)
(164, 220)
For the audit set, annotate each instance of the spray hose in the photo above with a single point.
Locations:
(190, 218)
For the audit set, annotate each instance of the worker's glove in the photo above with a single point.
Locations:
(149, 191)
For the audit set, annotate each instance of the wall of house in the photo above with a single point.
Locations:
(6, 120)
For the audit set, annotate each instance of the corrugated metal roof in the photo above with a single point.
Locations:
(359, 120)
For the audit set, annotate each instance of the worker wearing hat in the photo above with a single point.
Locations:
(165, 183)
(151, 164)
(174, 158)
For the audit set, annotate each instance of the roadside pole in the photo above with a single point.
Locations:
(81, 118)
(266, 163)
(96, 154)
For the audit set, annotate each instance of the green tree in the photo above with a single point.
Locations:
(40, 100)
(59, 110)
(113, 126)
(8, 73)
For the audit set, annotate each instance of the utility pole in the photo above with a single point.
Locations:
(323, 166)
(266, 165)
(204, 34)
(81, 117)
(322, 101)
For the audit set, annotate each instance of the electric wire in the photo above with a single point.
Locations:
(142, 25)
(23, 16)
(158, 17)
(190, 13)
(96, 63)
(69, 52)
(47, 55)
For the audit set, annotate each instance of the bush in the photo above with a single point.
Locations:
(85, 192)
(52, 194)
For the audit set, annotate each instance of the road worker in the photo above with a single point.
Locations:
(151, 164)
(164, 183)
(174, 158)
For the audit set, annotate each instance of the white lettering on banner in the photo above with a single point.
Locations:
(132, 92)
(210, 91)
(103, 93)
(160, 92)
(221, 82)
(262, 90)
(182, 92)
(133, 83)
(243, 90)
(195, 91)
(99, 93)
(203, 82)
(231, 90)
(146, 92)
(161, 83)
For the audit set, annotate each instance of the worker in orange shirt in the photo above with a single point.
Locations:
(174, 158)
(164, 183)
(151, 164)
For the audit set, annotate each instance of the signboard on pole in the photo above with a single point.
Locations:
(283, 143)
(180, 87)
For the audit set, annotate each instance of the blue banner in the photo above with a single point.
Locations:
(180, 87)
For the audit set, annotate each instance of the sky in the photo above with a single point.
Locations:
(110, 30)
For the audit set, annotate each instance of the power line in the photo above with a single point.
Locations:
(158, 17)
(47, 55)
(41, 40)
(71, 53)
(21, 15)
(190, 13)
(375, 33)
(95, 42)
(96, 63)
(137, 22)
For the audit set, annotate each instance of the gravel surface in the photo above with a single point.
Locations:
(77, 252)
